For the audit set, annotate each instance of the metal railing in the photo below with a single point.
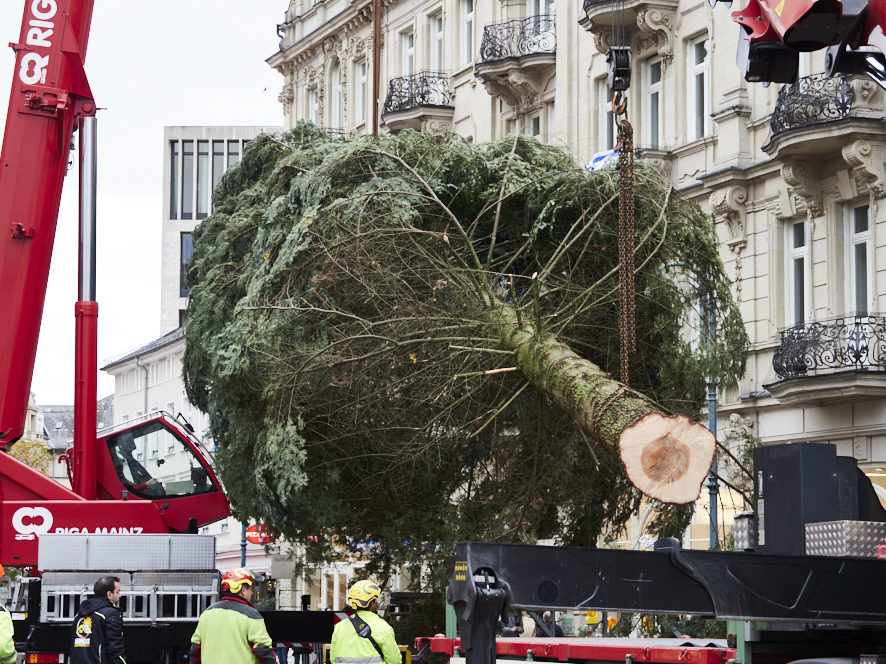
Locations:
(334, 132)
(850, 342)
(420, 89)
(810, 101)
(516, 39)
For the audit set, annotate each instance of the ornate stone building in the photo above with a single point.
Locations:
(792, 175)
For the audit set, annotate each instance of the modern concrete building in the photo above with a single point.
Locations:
(793, 176)
(194, 159)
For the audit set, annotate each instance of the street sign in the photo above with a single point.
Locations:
(258, 534)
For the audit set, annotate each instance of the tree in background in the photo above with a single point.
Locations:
(33, 453)
(406, 340)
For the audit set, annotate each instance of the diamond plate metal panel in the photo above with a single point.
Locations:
(85, 579)
(192, 552)
(854, 539)
(62, 552)
(177, 580)
(743, 531)
(130, 552)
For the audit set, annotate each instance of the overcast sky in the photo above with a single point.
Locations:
(166, 62)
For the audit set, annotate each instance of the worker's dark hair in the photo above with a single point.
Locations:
(104, 586)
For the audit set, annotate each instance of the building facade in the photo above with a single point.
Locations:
(793, 176)
(194, 159)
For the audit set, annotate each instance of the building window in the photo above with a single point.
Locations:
(858, 227)
(798, 273)
(699, 108)
(437, 42)
(170, 368)
(233, 152)
(173, 179)
(218, 162)
(652, 118)
(202, 179)
(314, 106)
(533, 125)
(467, 31)
(187, 249)
(336, 97)
(407, 48)
(539, 7)
(154, 373)
(362, 91)
(187, 179)
(607, 117)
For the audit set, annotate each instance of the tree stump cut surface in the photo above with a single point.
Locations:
(667, 458)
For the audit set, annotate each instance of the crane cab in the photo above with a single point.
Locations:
(158, 459)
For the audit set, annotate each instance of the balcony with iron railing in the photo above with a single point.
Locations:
(420, 101)
(839, 359)
(651, 19)
(518, 58)
(817, 114)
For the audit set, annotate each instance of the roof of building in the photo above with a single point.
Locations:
(166, 340)
(58, 420)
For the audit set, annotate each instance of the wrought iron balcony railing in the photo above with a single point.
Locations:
(421, 89)
(335, 132)
(811, 100)
(851, 342)
(535, 35)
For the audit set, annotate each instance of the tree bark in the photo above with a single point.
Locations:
(667, 458)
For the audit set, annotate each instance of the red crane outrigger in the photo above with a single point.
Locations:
(118, 481)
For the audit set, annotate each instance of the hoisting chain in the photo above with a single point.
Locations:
(626, 318)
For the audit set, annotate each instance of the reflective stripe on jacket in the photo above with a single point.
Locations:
(348, 647)
(7, 644)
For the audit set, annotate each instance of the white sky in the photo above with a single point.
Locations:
(165, 62)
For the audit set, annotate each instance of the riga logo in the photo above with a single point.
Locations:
(40, 28)
(31, 521)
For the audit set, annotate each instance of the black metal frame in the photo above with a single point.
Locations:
(811, 100)
(423, 88)
(850, 342)
(520, 38)
(491, 578)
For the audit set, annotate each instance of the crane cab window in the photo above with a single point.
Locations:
(152, 462)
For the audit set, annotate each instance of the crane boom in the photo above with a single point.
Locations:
(149, 476)
(49, 91)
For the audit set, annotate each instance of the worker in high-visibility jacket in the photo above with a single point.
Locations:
(365, 638)
(232, 631)
(7, 643)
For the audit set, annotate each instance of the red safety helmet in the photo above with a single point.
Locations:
(234, 579)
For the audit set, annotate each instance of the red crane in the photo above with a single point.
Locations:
(150, 476)
(776, 31)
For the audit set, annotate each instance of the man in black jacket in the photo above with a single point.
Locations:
(98, 626)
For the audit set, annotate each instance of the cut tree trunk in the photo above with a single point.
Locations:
(667, 458)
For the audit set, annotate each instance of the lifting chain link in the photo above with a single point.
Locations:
(626, 318)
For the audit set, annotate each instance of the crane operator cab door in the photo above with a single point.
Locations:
(158, 460)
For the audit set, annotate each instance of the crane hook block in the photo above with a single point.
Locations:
(618, 62)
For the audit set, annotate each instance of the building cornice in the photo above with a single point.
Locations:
(345, 22)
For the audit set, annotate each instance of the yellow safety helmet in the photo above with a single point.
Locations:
(362, 594)
(234, 580)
